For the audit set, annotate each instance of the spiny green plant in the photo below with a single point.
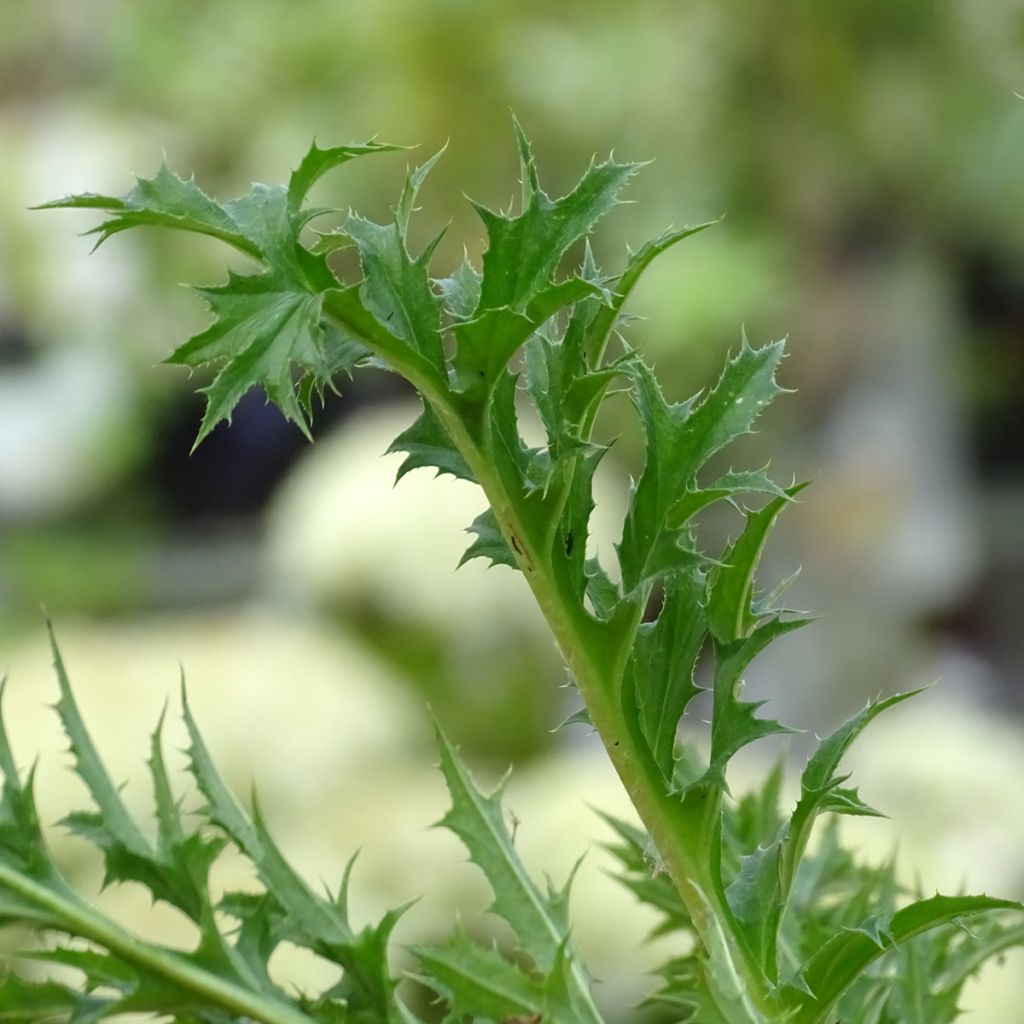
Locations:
(780, 928)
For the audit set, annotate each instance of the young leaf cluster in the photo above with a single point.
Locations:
(780, 930)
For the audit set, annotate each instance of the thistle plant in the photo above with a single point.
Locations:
(780, 922)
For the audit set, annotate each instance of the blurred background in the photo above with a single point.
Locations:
(868, 159)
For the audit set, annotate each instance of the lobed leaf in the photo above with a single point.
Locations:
(517, 290)
(224, 976)
(267, 327)
(679, 439)
(820, 786)
(730, 611)
(477, 981)
(838, 964)
(396, 289)
(317, 162)
(661, 669)
(428, 444)
(537, 920)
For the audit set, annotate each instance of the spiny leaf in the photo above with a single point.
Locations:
(734, 722)
(486, 343)
(318, 916)
(818, 785)
(517, 291)
(569, 541)
(830, 972)
(413, 183)
(729, 410)
(396, 289)
(176, 870)
(168, 813)
(537, 920)
(679, 438)
(647, 548)
(726, 487)
(115, 818)
(223, 976)
(731, 584)
(264, 327)
(269, 324)
(479, 822)
(607, 315)
(428, 444)
(565, 392)
(477, 981)
(524, 252)
(165, 200)
(489, 542)
(319, 923)
(528, 176)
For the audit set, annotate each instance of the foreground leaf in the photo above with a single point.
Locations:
(538, 921)
(838, 964)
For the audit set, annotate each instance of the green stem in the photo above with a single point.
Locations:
(596, 655)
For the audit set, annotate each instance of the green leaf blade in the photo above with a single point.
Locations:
(662, 667)
(165, 200)
(830, 972)
(396, 288)
(428, 445)
(819, 782)
(607, 316)
(524, 251)
(730, 409)
(477, 981)
(317, 162)
(538, 921)
(117, 824)
(731, 617)
(264, 327)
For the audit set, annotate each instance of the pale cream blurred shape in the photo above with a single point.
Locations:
(340, 527)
